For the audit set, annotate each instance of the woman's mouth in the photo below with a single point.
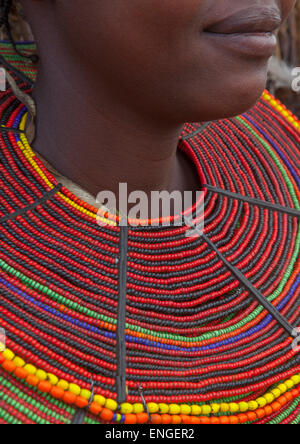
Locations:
(251, 32)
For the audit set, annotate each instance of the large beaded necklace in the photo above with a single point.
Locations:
(196, 347)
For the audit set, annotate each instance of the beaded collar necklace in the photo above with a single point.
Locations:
(183, 338)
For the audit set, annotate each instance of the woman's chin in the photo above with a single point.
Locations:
(232, 99)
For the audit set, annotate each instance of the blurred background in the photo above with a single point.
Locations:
(281, 66)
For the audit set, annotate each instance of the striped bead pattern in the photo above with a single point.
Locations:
(201, 348)
(16, 61)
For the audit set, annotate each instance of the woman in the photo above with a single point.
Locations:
(134, 323)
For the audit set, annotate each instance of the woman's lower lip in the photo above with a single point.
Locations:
(259, 44)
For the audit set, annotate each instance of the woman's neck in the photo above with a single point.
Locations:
(98, 142)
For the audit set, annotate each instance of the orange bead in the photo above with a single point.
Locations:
(185, 419)
(214, 420)
(204, 420)
(107, 415)
(9, 366)
(81, 402)
(44, 386)
(32, 380)
(142, 418)
(251, 416)
(224, 420)
(268, 410)
(176, 419)
(295, 393)
(195, 420)
(234, 419)
(156, 419)
(69, 398)
(288, 396)
(282, 400)
(276, 406)
(130, 419)
(95, 408)
(21, 373)
(242, 418)
(260, 413)
(166, 419)
(57, 393)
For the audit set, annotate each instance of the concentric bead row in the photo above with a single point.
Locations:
(197, 343)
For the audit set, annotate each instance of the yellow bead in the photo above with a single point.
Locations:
(8, 354)
(289, 384)
(282, 388)
(75, 389)
(138, 408)
(224, 407)
(100, 400)
(118, 417)
(153, 407)
(253, 405)
(41, 375)
(52, 379)
(233, 407)
(276, 392)
(185, 409)
(243, 406)
(126, 408)
(30, 369)
(215, 408)
(163, 408)
(110, 404)
(206, 409)
(64, 385)
(86, 394)
(262, 402)
(18, 361)
(196, 410)
(174, 409)
(296, 379)
(269, 397)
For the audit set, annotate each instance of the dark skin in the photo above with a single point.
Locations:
(118, 79)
